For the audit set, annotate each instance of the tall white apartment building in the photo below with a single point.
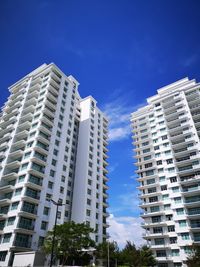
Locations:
(52, 146)
(166, 136)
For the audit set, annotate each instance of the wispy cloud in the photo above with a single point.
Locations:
(113, 167)
(190, 60)
(119, 114)
(125, 228)
(126, 203)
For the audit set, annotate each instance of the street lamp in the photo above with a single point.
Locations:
(108, 254)
(54, 230)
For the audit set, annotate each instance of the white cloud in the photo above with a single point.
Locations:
(119, 133)
(127, 202)
(125, 228)
(113, 167)
(119, 114)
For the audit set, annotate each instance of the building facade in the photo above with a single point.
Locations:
(166, 142)
(52, 146)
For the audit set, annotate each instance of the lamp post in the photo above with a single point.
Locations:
(108, 255)
(54, 230)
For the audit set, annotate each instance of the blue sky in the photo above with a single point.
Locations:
(121, 52)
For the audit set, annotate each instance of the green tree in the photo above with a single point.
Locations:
(193, 259)
(147, 258)
(130, 255)
(70, 239)
(102, 252)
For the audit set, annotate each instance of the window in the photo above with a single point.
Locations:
(162, 178)
(46, 211)
(156, 219)
(171, 169)
(50, 184)
(175, 252)
(57, 142)
(148, 165)
(171, 228)
(173, 240)
(21, 178)
(167, 207)
(146, 150)
(18, 191)
(185, 236)
(159, 162)
(175, 189)
(54, 162)
(64, 168)
(24, 166)
(48, 197)
(150, 181)
(6, 238)
(58, 133)
(159, 241)
(88, 212)
(177, 200)
(152, 190)
(166, 196)
(61, 190)
(11, 220)
(89, 191)
(52, 173)
(55, 152)
(40, 241)
(14, 205)
(161, 253)
(168, 152)
(163, 187)
(173, 179)
(153, 199)
(154, 208)
(88, 202)
(44, 225)
(180, 211)
(169, 161)
(182, 223)
(3, 255)
(157, 230)
(164, 137)
(148, 173)
(147, 157)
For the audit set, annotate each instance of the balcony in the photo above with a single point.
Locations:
(29, 102)
(6, 137)
(22, 244)
(53, 89)
(4, 146)
(22, 134)
(25, 225)
(193, 201)
(13, 164)
(10, 176)
(6, 188)
(191, 190)
(24, 126)
(19, 144)
(26, 117)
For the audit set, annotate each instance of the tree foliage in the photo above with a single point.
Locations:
(130, 255)
(102, 252)
(193, 259)
(70, 239)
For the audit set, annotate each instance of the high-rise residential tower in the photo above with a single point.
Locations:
(52, 146)
(166, 135)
